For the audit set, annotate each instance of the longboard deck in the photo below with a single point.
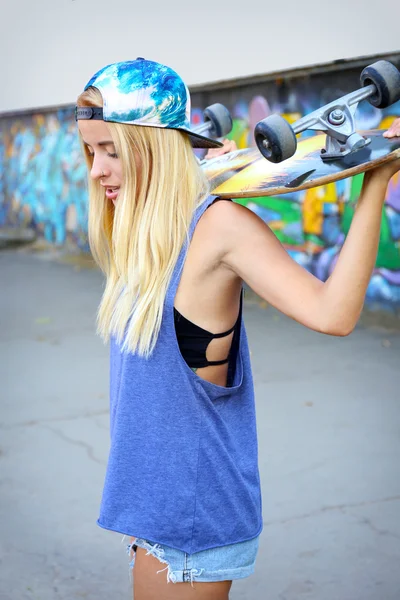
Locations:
(246, 173)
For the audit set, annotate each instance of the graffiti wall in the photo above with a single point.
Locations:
(43, 176)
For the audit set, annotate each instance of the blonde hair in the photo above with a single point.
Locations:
(138, 242)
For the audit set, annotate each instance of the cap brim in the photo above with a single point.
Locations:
(96, 113)
(200, 141)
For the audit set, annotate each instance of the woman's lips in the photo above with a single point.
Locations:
(112, 193)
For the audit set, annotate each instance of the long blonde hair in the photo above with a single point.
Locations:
(137, 243)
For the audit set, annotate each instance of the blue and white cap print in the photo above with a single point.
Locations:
(146, 93)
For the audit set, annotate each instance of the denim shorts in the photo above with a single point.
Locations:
(225, 563)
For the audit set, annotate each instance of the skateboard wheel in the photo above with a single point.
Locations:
(275, 138)
(220, 118)
(386, 78)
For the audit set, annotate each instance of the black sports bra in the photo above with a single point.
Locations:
(193, 340)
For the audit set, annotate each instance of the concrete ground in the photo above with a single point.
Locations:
(329, 433)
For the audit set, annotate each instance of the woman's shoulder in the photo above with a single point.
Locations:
(223, 207)
(225, 216)
(222, 225)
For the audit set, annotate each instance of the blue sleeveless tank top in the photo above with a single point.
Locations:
(183, 462)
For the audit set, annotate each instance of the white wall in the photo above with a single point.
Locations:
(50, 48)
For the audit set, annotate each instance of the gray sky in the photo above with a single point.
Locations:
(50, 48)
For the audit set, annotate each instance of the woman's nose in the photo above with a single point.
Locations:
(97, 169)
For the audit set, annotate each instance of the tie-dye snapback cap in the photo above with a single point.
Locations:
(146, 93)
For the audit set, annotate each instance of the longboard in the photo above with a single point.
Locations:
(246, 173)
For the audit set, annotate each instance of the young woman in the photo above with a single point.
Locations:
(182, 478)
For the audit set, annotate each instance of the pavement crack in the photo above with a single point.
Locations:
(101, 426)
(368, 523)
(80, 443)
(327, 509)
(34, 422)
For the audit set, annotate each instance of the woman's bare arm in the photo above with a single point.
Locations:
(252, 251)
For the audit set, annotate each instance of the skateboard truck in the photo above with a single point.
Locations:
(337, 121)
(276, 138)
(217, 122)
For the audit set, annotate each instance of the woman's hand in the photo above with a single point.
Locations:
(228, 146)
(384, 172)
(394, 129)
(387, 170)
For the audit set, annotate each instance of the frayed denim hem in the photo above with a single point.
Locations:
(159, 553)
(223, 563)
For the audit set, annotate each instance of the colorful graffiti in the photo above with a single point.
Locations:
(43, 178)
